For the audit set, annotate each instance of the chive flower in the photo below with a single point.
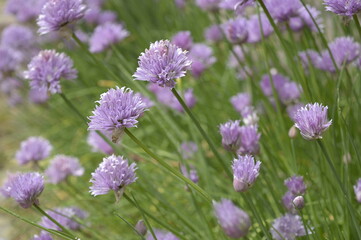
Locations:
(245, 172)
(33, 149)
(61, 167)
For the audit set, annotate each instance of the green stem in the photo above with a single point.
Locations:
(168, 167)
(41, 211)
(72, 107)
(355, 18)
(203, 133)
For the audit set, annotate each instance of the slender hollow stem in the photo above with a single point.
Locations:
(355, 18)
(72, 107)
(168, 167)
(42, 212)
(201, 130)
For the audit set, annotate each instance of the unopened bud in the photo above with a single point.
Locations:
(292, 133)
(240, 186)
(141, 228)
(299, 202)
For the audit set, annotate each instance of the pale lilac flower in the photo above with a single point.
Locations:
(249, 140)
(241, 101)
(292, 110)
(255, 33)
(98, 144)
(162, 64)
(312, 121)
(289, 92)
(287, 227)
(231, 135)
(307, 19)
(24, 10)
(190, 173)
(282, 10)
(213, 34)
(278, 82)
(47, 68)
(38, 95)
(234, 221)
(114, 173)
(43, 236)
(296, 185)
(106, 35)
(161, 235)
(188, 149)
(33, 149)
(202, 57)
(287, 201)
(117, 109)
(357, 190)
(346, 8)
(250, 116)
(345, 50)
(6, 187)
(236, 30)
(141, 228)
(25, 188)
(9, 59)
(309, 57)
(208, 5)
(10, 84)
(17, 37)
(57, 14)
(245, 172)
(296, 23)
(183, 40)
(96, 15)
(61, 167)
(66, 216)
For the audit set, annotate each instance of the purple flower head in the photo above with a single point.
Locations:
(282, 10)
(47, 68)
(98, 144)
(165, 96)
(24, 10)
(307, 19)
(17, 37)
(345, 50)
(236, 56)
(245, 172)
(287, 201)
(231, 135)
(346, 8)
(183, 40)
(287, 227)
(255, 33)
(25, 188)
(38, 95)
(191, 173)
(10, 84)
(278, 82)
(292, 110)
(61, 167)
(118, 108)
(357, 190)
(234, 221)
(97, 16)
(105, 35)
(289, 92)
(309, 57)
(66, 216)
(250, 116)
(180, 3)
(146, 100)
(162, 63)
(241, 101)
(9, 59)
(57, 14)
(42, 236)
(296, 185)
(296, 24)
(6, 188)
(161, 235)
(201, 54)
(249, 140)
(312, 121)
(114, 173)
(213, 34)
(208, 5)
(236, 30)
(141, 228)
(33, 149)
(188, 149)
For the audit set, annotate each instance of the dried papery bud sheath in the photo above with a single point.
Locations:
(162, 64)
(357, 190)
(312, 121)
(61, 167)
(47, 68)
(245, 172)
(58, 14)
(113, 174)
(296, 185)
(25, 188)
(234, 221)
(299, 202)
(117, 109)
(66, 216)
(231, 135)
(33, 149)
(343, 7)
(141, 228)
(288, 226)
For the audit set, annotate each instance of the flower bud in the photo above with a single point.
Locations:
(141, 228)
(299, 202)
